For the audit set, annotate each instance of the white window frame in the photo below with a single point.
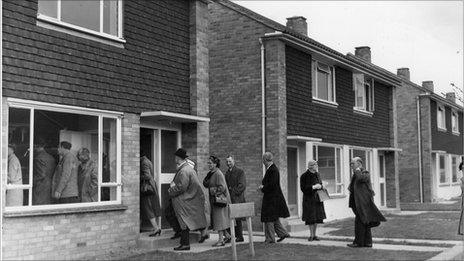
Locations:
(100, 33)
(454, 122)
(365, 108)
(441, 117)
(445, 168)
(341, 182)
(32, 106)
(454, 168)
(331, 90)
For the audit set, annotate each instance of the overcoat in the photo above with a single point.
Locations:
(44, 166)
(65, 177)
(461, 219)
(14, 197)
(216, 184)
(149, 204)
(361, 199)
(188, 199)
(88, 181)
(274, 205)
(236, 182)
(313, 208)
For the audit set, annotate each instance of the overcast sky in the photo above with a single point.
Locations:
(425, 36)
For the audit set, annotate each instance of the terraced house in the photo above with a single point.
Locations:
(110, 76)
(430, 131)
(274, 88)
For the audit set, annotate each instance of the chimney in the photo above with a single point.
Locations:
(451, 96)
(363, 52)
(298, 24)
(403, 73)
(428, 85)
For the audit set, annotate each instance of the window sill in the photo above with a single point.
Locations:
(326, 103)
(337, 196)
(442, 129)
(363, 112)
(70, 210)
(444, 185)
(456, 133)
(53, 24)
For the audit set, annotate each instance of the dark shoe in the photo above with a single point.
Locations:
(282, 238)
(182, 248)
(269, 242)
(203, 238)
(157, 233)
(310, 238)
(240, 239)
(316, 239)
(353, 245)
(368, 245)
(176, 235)
(218, 244)
(228, 240)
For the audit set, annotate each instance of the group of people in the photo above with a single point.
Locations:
(74, 179)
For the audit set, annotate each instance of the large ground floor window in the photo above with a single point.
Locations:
(447, 168)
(329, 160)
(62, 150)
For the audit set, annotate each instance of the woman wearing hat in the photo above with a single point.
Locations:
(313, 208)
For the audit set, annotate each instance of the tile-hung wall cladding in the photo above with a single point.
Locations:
(306, 117)
(443, 136)
(128, 56)
(35, 131)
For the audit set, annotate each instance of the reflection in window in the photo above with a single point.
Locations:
(442, 170)
(168, 147)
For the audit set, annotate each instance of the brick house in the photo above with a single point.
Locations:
(428, 164)
(313, 102)
(115, 77)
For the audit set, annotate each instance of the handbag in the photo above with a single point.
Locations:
(322, 194)
(146, 188)
(220, 201)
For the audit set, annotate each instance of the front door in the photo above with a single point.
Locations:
(159, 146)
(292, 180)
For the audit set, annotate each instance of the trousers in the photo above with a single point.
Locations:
(362, 233)
(238, 229)
(272, 228)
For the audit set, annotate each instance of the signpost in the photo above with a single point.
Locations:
(241, 210)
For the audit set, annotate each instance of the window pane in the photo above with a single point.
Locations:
(367, 91)
(48, 7)
(110, 192)
(110, 17)
(338, 166)
(358, 81)
(322, 82)
(18, 156)
(454, 169)
(109, 150)
(326, 164)
(81, 131)
(82, 13)
(168, 147)
(381, 167)
(443, 176)
(382, 194)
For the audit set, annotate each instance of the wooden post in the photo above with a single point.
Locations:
(232, 235)
(250, 236)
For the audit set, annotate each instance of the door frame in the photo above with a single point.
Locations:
(298, 192)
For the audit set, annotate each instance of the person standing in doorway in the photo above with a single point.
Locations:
(236, 182)
(361, 201)
(313, 208)
(14, 197)
(188, 199)
(44, 166)
(64, 184)
(274, 205)
(149, 199)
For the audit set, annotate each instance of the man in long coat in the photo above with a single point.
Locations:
(64, 183)
(274, 205)
(188, 199)
(236, 182)
(361, 201)
(44, 166)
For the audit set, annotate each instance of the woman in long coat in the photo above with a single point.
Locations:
(149, 204)
(215, 181)
(461, 219)
(313, 208)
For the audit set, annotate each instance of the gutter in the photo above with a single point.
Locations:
(419, 145)
(263, 100)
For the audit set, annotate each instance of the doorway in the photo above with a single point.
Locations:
(159, 145)
(292, 180)
(382, 183)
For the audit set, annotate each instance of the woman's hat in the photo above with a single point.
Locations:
(181, 153)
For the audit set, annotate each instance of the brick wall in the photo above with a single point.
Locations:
(150, 73)
(235, 94)
(79, 236)
(446, 141)
(346, 127)
(390, 180)
(426, 137)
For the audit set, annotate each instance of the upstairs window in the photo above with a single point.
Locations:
(102, 17)
(455, 122)
(441, 117)
(364, 92)
(323, 84)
